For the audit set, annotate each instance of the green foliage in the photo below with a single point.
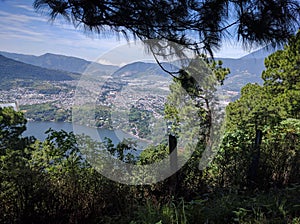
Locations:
(172, 212)
(12, 125)
(281, 153)
(15, 176)
(282, 76)
(46, 112)
(53, 112)
(274, 206)
(153, 154)
(91, 115)
(139, 121)
(273, 109)
(231, 163)
(189, 109)
(53, 182)
(123, 151)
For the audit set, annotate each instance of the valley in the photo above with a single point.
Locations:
(49, 87)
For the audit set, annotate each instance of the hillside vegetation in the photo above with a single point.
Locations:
(253, 178)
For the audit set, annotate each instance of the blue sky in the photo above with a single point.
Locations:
(22, 30)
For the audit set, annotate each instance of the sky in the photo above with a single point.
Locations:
(23, 30)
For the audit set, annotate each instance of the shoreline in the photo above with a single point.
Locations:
(132, 136)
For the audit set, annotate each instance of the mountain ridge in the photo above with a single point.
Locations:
(243, 70)
(59, 62)
(11, 69)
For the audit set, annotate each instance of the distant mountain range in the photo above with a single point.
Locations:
(59, 62)
(144, 69)
(243, 71)
(59, 67)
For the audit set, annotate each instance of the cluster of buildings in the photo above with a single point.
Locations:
(120, 94)
(30, 95)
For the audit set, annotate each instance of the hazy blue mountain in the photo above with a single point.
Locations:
(261, 53)
(11, 70)
(60, 62)
(243, 71)
(247, 69)
(142, 69)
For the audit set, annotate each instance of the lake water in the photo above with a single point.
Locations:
(38, 129)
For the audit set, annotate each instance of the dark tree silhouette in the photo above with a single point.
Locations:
(197, 24)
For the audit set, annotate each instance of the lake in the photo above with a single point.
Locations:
(38, 129)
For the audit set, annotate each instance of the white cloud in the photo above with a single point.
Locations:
(18, 27)
(19, 37)
(24, 31)
(26, 7)
(11, 17)
(105, 62)
(14, 30)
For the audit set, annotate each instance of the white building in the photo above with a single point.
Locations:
(13, 105)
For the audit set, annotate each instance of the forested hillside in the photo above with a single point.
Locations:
(254, 178)
(11, 69)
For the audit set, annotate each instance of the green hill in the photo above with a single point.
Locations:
(12, 71)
